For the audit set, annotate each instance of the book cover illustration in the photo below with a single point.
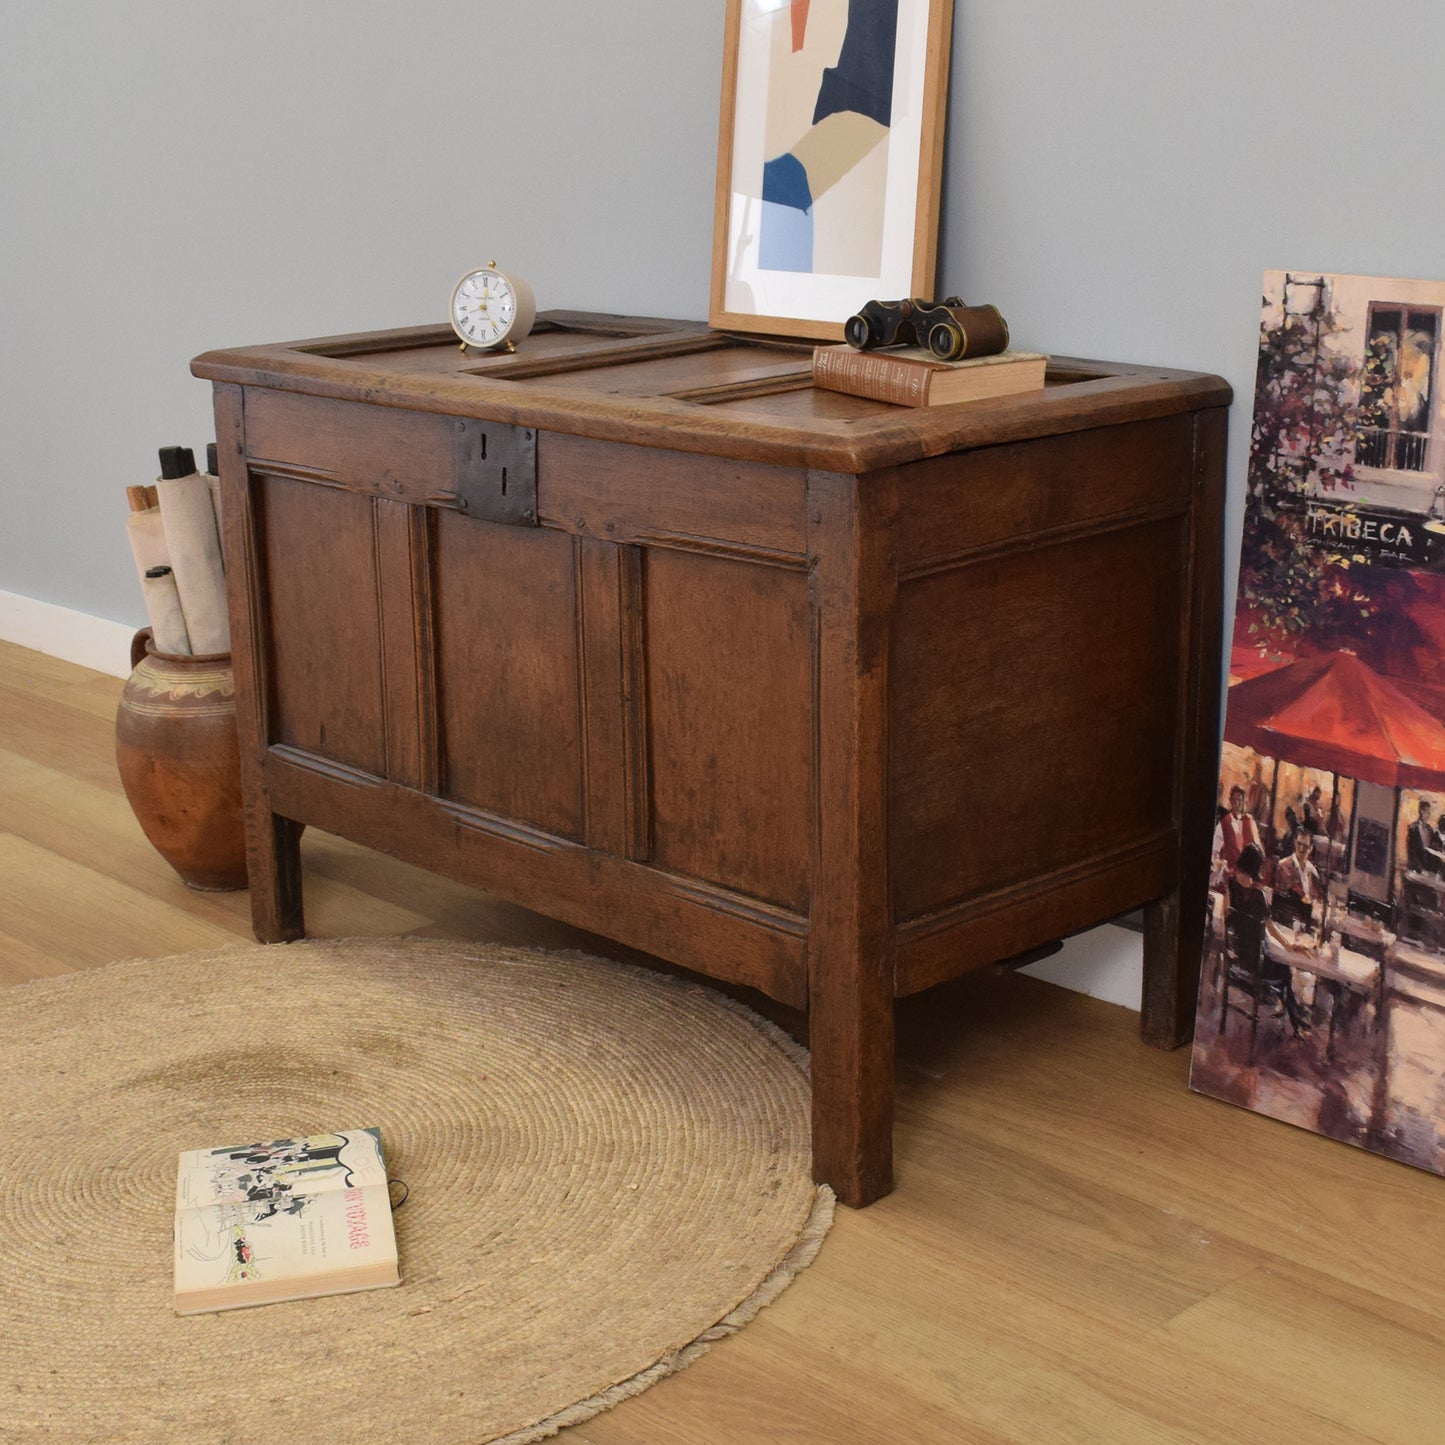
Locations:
(1322, 1000)
(280, 1211)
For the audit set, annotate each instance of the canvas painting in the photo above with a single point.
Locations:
(829, 152)
(1322, 1000)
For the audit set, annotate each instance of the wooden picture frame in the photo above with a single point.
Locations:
(829, 160)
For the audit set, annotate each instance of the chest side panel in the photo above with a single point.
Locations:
(1035, 491)
(1036, 666)
(1033, 714)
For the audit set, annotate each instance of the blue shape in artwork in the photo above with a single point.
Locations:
(785, 182)
(785, 238)
(862, 80)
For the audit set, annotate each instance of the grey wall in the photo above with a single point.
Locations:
(177, 175)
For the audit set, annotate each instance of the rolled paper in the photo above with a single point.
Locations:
(147, 535)
(195, 557)
(163, 607)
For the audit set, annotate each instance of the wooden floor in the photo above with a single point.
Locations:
(1078, 1248)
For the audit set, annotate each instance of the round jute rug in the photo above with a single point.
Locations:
(608, 1171)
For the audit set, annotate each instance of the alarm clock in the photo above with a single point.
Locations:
(491, 309)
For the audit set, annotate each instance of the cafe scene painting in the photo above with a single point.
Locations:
(1322, 997)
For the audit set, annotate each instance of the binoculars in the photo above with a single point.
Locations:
(947, 328)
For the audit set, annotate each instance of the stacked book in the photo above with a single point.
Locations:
(174, 530)
(913, 376)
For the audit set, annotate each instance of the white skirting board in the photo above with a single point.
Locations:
(71, 636)
(1107, 962)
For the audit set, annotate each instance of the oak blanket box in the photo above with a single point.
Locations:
(637, 628)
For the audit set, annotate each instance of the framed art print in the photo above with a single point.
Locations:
(830, 150)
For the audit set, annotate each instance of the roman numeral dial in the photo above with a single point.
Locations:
(490, 308)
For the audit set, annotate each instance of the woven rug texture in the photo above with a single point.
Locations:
(608, 1168)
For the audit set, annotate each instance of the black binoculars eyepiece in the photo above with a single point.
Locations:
(889, 323)
(948, 328)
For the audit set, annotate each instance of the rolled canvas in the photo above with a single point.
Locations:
(195, 556)
(163, 607)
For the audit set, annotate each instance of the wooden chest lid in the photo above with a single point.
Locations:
(683, 386)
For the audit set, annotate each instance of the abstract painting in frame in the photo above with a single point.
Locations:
(1322, 1000)
(829, 160)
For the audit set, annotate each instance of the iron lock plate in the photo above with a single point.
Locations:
(496, 472)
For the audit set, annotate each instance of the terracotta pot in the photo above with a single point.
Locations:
(180, 765)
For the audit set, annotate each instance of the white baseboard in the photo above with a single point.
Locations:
(1106, 963)
(71, 636)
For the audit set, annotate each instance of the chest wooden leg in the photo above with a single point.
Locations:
(850, 970)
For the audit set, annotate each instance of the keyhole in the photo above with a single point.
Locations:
(504, 481)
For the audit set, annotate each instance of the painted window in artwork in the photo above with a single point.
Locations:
(1396, 389)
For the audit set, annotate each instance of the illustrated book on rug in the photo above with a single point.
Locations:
(913, 376)
(1322, 1000)
(288, 1219)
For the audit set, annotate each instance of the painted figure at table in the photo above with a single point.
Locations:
(1296, 875)
(1310, 819)
(1248, 924)
(1423, 848)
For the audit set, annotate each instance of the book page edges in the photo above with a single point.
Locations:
(908, 377)
(267, 1292)
(1027, 374)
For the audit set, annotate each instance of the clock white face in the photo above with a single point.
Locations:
(484, 308)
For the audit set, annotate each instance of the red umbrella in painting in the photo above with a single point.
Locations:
(1334, 712)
